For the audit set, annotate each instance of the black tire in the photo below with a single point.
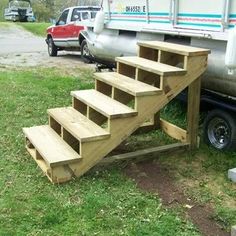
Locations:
(220, 130)
(85, 54)
(52, 49)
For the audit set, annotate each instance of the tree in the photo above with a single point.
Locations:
(45, 10)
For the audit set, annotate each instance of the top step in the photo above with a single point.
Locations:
(175, 48)
(50, 146)
(128, 85)
(151, 66)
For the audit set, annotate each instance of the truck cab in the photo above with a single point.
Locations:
(64, 35)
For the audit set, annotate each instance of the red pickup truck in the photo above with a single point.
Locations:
(64, 35)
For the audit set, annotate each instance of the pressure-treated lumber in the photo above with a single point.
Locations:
(78, 125)
(194, 93)
(151, 66)
(175, 48)
(127, 84)
(173, 131)
(50, 146)
(150, 152)
(103, 104)
(103, 118)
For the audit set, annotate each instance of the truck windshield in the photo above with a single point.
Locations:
(19, 4)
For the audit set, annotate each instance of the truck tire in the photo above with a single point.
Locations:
(52, 49)
(85, 54)
(220, 130)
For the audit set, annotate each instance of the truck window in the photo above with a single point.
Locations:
(63, 18)
(85, 15)
(76, 15)
(93, 14)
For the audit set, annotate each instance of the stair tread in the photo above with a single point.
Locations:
(131, 86)
(175, 48)
(77, 124)
(51, 147)
(103, 104)
(151, 66)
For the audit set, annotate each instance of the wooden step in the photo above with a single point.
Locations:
(175, 48)
(151, 66)
(103, 104)
(78, 125)
(127, 84)
(50, 146)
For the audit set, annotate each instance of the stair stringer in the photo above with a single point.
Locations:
(122, 128)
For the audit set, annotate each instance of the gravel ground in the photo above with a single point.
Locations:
(20, 48)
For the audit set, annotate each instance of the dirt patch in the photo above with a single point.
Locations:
(67, 60)
(153, 177)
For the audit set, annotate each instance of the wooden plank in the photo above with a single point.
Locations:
(150, 152)
(151, 66)
(78, 125)
(50, 146)
(126, 84)
(126, 70)
(103, 104)
(175, 48)
(194, 93)
(173, 131)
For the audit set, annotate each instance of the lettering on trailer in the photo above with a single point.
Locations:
(135, 8)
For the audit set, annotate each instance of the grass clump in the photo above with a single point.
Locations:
(38, 29)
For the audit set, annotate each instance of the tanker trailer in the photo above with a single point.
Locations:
(210, 24)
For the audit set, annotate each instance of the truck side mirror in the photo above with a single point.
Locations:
(99, 22)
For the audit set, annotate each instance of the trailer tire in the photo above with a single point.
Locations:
(52, 49)
(220, 130)
(85, 54)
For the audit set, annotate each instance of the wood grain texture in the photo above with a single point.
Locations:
(103, 104)
(51, 147)
(151, 66)
(127, 84)
(78, 125)
(175, 48)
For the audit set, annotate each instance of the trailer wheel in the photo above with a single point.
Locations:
(220, 130)
(85, 54)
(52, 49)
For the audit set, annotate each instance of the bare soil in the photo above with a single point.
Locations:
(153, 177)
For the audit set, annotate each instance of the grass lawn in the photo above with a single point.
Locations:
(103, 202)
(35, 28)
(4, 24)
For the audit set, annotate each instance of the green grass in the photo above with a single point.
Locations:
(204, 173)
(4, 25)
(38, 29)
(102, 202)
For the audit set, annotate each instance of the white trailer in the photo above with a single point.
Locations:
(199, 23)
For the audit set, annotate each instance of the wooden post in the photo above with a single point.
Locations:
(194, 92)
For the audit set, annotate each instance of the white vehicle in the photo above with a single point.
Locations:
(19, 10)
(199, 23)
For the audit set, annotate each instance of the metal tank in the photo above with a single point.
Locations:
(114, 43)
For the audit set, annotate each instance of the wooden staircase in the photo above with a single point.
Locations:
(78, 137)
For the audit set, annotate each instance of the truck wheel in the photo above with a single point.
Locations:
(220, 130)
(52, 49)
(85, 54)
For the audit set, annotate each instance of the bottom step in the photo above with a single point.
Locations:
(51, 153)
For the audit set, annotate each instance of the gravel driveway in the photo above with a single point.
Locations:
(20, 48)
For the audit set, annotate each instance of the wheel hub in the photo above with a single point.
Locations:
(219, 133)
